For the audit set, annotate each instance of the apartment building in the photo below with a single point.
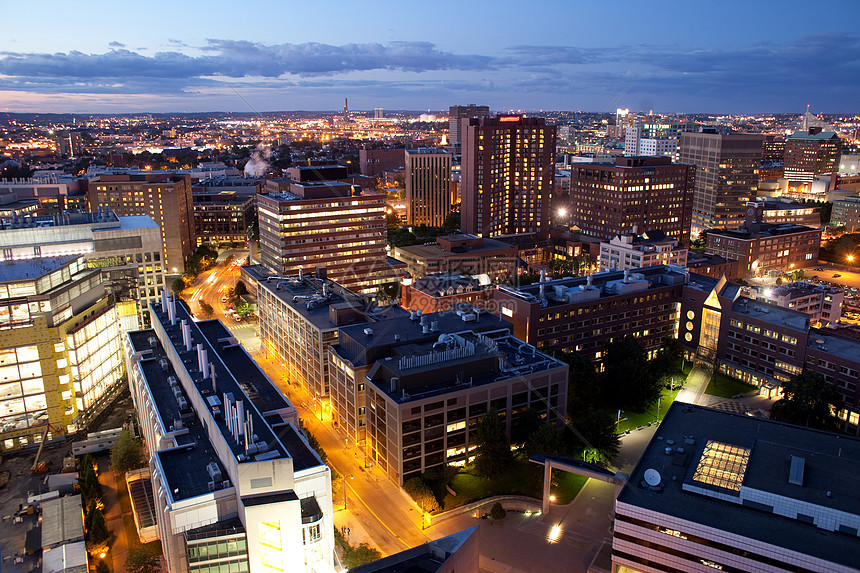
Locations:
(428, 186)
(236, 485)
(222, 217)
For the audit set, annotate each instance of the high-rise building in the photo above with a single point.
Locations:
(222, 217)
(638, 194)
(623, 119)
(69, 143)
(373, 162)
(653, 138)
(60, 354)
(507, 175)
(126, 250)
(726, 176)
(810, 153)
(330, 225)
(235, 484)
(456, 114)
(428, 186)
(165, 198)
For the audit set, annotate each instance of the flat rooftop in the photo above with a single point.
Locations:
(846, 348)
(690, 445)
(772, 313)
(13, 271)
(762, 230)
(434, 251)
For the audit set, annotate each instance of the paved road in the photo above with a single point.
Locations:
(113, 517)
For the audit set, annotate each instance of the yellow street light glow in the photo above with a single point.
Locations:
(554, 533)
(850, 258)
(552, 498)
(102, 555)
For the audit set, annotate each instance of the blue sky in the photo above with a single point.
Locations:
(730, 56)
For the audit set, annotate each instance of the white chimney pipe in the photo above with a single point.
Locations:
(171, 309)
(200, 362)
(205, 364)
(240, 406)
(163, 300)
(212, 375)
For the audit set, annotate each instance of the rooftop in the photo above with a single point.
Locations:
(846, 348)
(32, 269)
(762, 230)
(772, 313)
(62, 520)
(438, 284)
(312, 298)
(739, 474)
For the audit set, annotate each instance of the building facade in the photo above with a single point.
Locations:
(127, 251)
(374, 162)
(60, 356)
(167, 199)
(327, 225)
(428, 186)
(631, 251)
(236, 485)
(810, 153)
(822, 303)
(222, 217)
(507, 175)
(846, 213)
(427, 380)
(456, 115)
(726, 176)
(641, 193)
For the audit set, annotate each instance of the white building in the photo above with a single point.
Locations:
(236, 485)
(722, 491)
(821, 302)
(632, 251)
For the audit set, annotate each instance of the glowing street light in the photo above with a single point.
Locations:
(850, 258)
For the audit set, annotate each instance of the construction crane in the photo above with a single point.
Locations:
(41, 467)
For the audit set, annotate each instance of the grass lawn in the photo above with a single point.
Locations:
(726, 387)
(635, 419)
(522, 478)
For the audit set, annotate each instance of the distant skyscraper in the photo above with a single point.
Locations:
(456, 114)
(377, 113)
(428, 186)
(507, 175)
(622, 121)
(69, 143)
(653, 138)
(810, 153)
(726, 176)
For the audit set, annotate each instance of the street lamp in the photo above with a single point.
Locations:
(850, 258)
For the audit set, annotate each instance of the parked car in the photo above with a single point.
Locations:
(836, 275)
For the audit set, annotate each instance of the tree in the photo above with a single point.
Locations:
(584, 386)
(493, 448)
(142, 559)
(244, 309)
(91, 489)
(452, 222)
(546, 439)
(421, 493)
(206, 309)
(599, 432)
(240, 289)
(628, 377)
(97, 530)
(360, 555)
(102, 567)
(126, 454)
(808, 400)
(498, 512)
(178, 285)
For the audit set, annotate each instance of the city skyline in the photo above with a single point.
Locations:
(103, 59)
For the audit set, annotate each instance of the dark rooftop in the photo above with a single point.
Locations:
(826, 480)
(303, 455)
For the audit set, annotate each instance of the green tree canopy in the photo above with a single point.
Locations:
(422, 494)
(493, 451)
(546, 439)
(599, 432)
(628, 376)
(142, 559)
(126, 454)
(97, 529)
(498, 512)
(807, 400)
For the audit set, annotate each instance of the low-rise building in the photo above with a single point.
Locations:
(417, 387)
(435, 293)
(713, 266)
(299, 316)
(846, 213)
(237, 486)
(455, 553)
(821, 302)
(222, 217)
(633, 251)
(460, 254)
(716, 490)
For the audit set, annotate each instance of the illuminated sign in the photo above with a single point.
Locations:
(507, 118)
(105, 262)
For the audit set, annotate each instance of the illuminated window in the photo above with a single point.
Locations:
(722, 465)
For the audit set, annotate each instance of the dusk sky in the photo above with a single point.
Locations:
(726, 56)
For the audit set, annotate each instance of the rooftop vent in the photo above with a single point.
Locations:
(795, 472)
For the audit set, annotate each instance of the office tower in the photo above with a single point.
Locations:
(622, 121)
(68, 143)
(236, 485)
(721, 491)
(377, 113)
(726, 176)
(653, 138)
(413, 388)
(810, 153)
(126, 250)
(428, 186)
(61, 359)
(507, 175)
(373, 162)
(330, 225)
(457, 113)
(166, 198)
(636, 193)
(846, 213)
(222, 217)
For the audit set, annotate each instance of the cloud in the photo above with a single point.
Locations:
(769, 73)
